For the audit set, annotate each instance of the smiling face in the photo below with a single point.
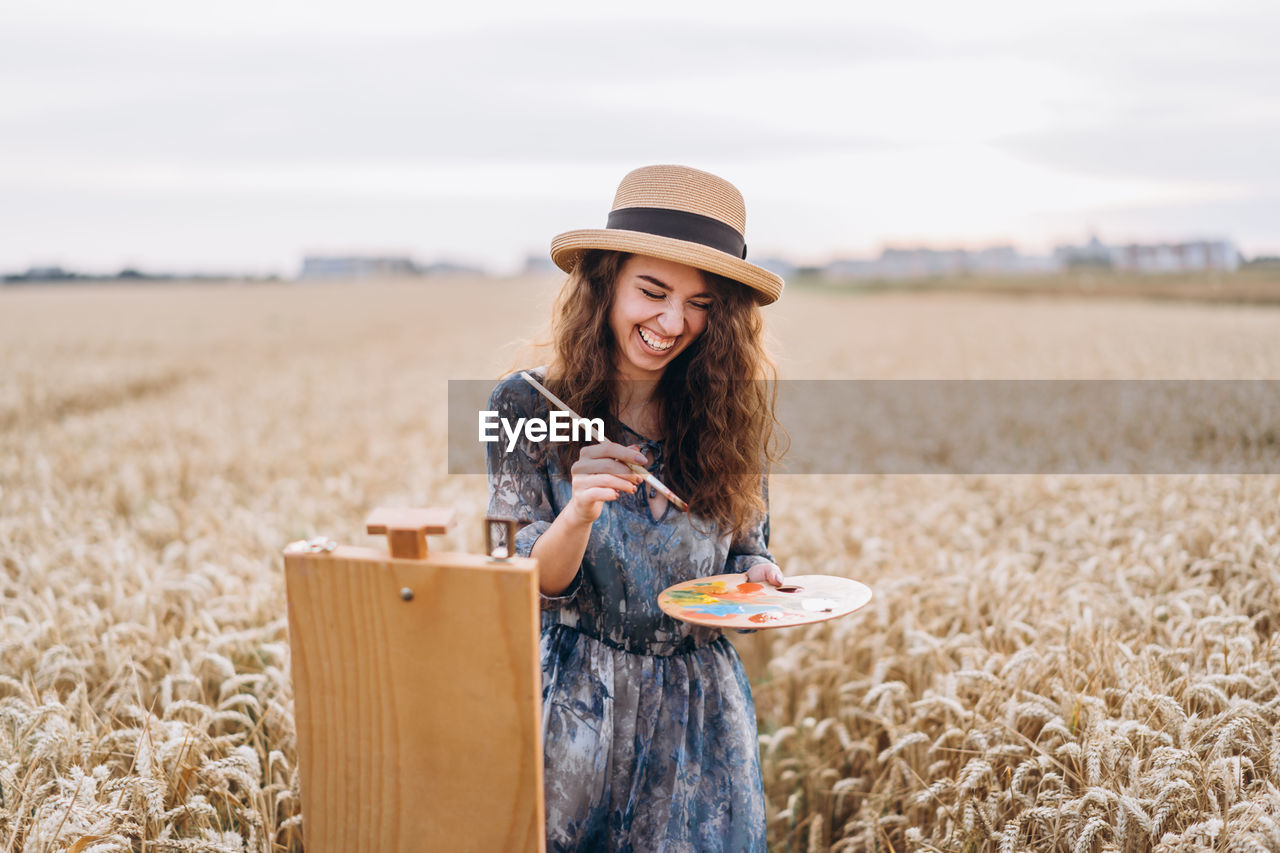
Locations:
(659, 309)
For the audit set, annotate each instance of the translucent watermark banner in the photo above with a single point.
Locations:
(971, 426)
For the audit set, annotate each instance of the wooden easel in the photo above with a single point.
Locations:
(417, 692)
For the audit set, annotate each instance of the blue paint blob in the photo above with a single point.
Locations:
(731, 608)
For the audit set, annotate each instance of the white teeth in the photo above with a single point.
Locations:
(649, 339)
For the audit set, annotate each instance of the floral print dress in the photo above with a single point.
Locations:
(648, 726)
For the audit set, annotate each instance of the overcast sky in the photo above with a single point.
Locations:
(239, 135)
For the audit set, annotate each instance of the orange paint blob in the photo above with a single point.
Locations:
(765, 617)
(749, 587)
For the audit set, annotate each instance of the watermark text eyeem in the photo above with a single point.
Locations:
(559, 427)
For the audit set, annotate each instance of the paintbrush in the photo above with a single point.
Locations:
(648, 478)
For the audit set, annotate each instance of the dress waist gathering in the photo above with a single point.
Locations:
(553, 622)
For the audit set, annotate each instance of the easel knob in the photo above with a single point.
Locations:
(407, 529)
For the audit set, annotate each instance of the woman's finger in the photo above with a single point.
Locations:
(604, 466)
(611, 450)
(598, 494)
(590, 502)
(609, 481)
(765, 573)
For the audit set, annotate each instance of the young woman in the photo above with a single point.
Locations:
(649, 729)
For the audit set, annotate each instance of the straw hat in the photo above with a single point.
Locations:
(677, 214)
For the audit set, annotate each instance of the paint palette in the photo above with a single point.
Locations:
(730, 601)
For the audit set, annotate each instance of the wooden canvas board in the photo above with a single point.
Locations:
(418, 701)
(730, 601)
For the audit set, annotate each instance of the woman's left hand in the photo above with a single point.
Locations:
(765, 573)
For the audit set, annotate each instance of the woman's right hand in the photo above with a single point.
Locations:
(600, 475)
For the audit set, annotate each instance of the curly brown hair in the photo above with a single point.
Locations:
(716, 400)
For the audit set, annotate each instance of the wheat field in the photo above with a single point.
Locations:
(1074, 663)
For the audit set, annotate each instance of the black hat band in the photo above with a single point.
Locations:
(680, 225)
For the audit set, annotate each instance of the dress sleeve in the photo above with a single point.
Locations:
(751, 547)
(519, 481)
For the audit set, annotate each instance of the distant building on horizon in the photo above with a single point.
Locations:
(778, 266)
(924, 262)
(899, 263)
(40, 274)
(324, 267)
(1188, 256)
(1092, 255)
(1178, 257)
(449, 268)
(538, 264)
(356, 266)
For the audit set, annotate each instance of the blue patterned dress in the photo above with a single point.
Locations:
(648, 726)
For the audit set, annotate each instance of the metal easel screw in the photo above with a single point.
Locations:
(314, 545)
(406, 593)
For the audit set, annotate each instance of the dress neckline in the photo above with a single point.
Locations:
(643, 438)
(644, 497)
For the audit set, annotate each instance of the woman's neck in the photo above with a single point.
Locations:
(634, 389)
(634, 394)
(636, 406)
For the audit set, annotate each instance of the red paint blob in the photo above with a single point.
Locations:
(765, 617)
(749, 587)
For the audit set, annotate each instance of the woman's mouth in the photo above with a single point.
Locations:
(655, 343)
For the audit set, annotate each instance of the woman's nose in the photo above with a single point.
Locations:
(672, 318)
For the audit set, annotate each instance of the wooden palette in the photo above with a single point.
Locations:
(729, 601)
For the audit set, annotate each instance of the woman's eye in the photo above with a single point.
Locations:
(651, 294)
(701, 306)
